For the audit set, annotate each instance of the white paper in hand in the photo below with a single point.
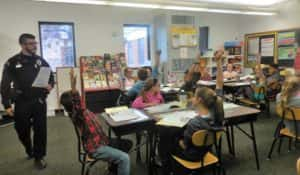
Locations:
(42, 79)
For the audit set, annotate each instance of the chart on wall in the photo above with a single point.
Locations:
(183, 36)
(287, 47)
(57, 44)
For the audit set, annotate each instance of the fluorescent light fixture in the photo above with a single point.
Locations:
(242, 2)
(158, 6)
(137, 5)
(92, 2)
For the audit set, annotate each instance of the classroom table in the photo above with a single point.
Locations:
(239, 115)
(234, 86)
(170, 93)
(131, 127)
(232, 118)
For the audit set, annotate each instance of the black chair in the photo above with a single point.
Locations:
(86, 162)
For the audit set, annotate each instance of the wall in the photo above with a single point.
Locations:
(288, 17)
(98, 29)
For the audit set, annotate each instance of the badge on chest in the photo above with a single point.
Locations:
(19, 65)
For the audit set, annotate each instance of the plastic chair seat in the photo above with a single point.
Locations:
(209, 159)
(288, 133)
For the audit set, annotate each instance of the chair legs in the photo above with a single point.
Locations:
(279, 146)
(290, 144)
(82, 168)
(272, 147)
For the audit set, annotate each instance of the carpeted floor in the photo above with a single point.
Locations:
(62, 153)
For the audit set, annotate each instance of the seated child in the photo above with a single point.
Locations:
(94, 140)
(139, 85)
(129, 80)
(273, 81)
(210, 113)
(149, 96)
(290, 97)
(230, 73)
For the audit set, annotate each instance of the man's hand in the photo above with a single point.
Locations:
(49, 88)
(10, 112)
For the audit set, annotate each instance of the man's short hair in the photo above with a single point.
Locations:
(24, 37)
(142, 74)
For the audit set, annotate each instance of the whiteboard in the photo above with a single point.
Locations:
(63, 80)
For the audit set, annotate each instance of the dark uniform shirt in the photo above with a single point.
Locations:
(20, 72)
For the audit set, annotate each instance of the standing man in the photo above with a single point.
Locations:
(19, 73)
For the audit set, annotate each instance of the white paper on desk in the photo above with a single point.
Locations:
(126, 115)
(42, 79)
(229, 105)
(162, 107)
(177, 118)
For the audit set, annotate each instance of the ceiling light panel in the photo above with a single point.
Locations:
(241, 2)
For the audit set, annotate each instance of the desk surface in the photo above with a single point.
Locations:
(237, 84)
(239, 111)
(112, 123)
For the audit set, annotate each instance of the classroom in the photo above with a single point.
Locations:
(150, 87)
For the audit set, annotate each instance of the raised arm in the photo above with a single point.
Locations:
(73, 81)
(259, 73)
(218, 56)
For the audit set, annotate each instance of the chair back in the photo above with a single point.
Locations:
(298, 166)
(259, 89)
(123, 100)
(288, 113)
(205, 138)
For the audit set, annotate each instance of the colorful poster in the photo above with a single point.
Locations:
(57, 44)
(267, 47)
(286, 53)
(286, 38)
(184, 36)
(100, 74)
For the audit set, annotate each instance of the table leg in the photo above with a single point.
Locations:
(228, 140)
(151, 158)
(232, 140)
(254, 145)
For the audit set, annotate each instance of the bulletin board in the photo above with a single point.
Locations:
(184, 36)
(264, 43)
(288, 42)
(94, 76)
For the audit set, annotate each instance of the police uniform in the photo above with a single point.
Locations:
(19, 74)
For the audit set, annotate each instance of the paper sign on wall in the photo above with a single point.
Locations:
(183, 52)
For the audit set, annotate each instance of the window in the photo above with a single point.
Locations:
(57, 44)
(137, 45)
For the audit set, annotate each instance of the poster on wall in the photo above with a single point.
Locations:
(57, 44)
(99, 73)
(267, 47)
(253, 48)
(286, 53)
(286, 38)
(183, 36)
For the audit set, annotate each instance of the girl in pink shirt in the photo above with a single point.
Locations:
(150, 95)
